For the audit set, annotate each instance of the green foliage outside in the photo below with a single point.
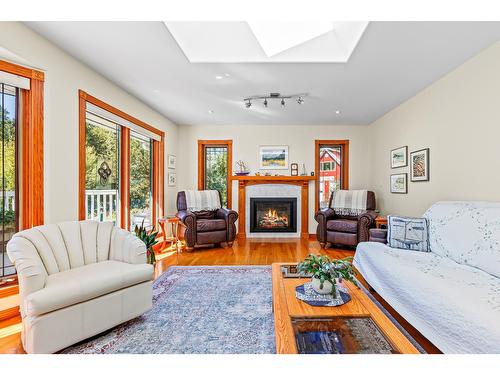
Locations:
(8, 160)
(216, 174)
(102, 146)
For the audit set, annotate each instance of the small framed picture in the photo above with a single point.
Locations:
(399, 157)
(399, 183)
(273, 157)
(294, 169)
(172, 178)
(171, 161)
(419, 165)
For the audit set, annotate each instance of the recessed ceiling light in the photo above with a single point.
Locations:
(211, 111)
(337, 112)
(219, 77)
(227, 74)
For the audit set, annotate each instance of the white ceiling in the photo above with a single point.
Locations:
(391, 63)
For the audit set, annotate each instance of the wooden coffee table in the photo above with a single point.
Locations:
(359, 323)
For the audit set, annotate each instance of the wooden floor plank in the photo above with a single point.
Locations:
(243, 252)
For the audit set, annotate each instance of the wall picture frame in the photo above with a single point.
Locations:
(399, 183)
(419, 165)
(273, 157)
(171, 161)
(399, 157)
(172, 178)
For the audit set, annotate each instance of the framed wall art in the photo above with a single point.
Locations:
(399, 183)
(419, 165)
(273, 157)
(399, 157)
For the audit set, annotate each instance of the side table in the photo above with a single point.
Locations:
(381, 222)
(174, 226)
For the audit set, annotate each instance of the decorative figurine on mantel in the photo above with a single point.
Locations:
(303, 173)
(241, 168)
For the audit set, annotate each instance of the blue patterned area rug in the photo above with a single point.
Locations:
(201, 310)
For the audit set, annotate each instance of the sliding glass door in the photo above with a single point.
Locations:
(9, 216)
(141, 174)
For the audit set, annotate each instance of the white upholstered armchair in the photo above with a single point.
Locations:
(77, 279)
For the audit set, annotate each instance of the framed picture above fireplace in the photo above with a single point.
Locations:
(273, 157)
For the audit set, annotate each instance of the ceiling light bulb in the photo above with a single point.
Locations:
(219, 77)
(265, 103)
(282, 102)
(337, 112)
(210, 111)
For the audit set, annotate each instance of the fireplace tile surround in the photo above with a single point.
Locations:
(269, 187)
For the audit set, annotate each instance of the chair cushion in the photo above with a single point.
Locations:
(85, 283)
(206, 214)
(342, 225)
(210, 225)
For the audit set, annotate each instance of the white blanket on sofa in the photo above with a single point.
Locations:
(457, 307)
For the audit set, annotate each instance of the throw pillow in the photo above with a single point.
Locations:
(410, 233)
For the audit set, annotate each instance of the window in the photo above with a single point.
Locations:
(329, 155)
(9, 213)
(102, 169)
(141, 174)
(121, 166)
(214, 168)
(21, 155)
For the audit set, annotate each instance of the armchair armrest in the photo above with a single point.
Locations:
(378, 235)
(126, 247)
(366, 220)
(188, 219)
(230, 217)
(322, 216)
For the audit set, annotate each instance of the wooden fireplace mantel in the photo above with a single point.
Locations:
(302, 181)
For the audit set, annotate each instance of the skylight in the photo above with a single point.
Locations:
(257, 41)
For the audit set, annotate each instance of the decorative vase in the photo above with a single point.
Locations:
(327, 286)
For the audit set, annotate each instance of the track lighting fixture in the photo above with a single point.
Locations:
(274, 95)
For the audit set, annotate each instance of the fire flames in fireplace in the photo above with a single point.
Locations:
(272, 219)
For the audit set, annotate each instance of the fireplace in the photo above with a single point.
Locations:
(273, 215)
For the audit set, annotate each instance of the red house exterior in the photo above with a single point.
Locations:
(329, 173)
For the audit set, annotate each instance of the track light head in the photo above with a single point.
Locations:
(248, 104)
(300, 100)
(265, 103)
(282, 102)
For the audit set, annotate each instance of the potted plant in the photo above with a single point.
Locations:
(149, 239)
(325, 273)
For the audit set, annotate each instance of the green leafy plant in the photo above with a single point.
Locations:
(324, 269)
(149, 239)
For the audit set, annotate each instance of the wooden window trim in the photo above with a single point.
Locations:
(31, 157)
(157, 205)
(202, 143)
(344, 169)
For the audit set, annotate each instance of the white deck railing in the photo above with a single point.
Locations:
(101, 204)
(10, 200)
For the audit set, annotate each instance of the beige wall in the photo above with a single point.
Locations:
(64, 76)
(300, 139)
(458, 118)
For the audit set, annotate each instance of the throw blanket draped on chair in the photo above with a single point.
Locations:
(201, 200)
(349, 202)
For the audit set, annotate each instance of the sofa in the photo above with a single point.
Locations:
(205, 227)
(345, 230)
(452, 293)
(77, 279)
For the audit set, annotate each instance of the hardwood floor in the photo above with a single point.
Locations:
(243, 252)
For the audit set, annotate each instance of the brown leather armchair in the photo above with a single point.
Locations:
(205, 227)
(345, 230)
